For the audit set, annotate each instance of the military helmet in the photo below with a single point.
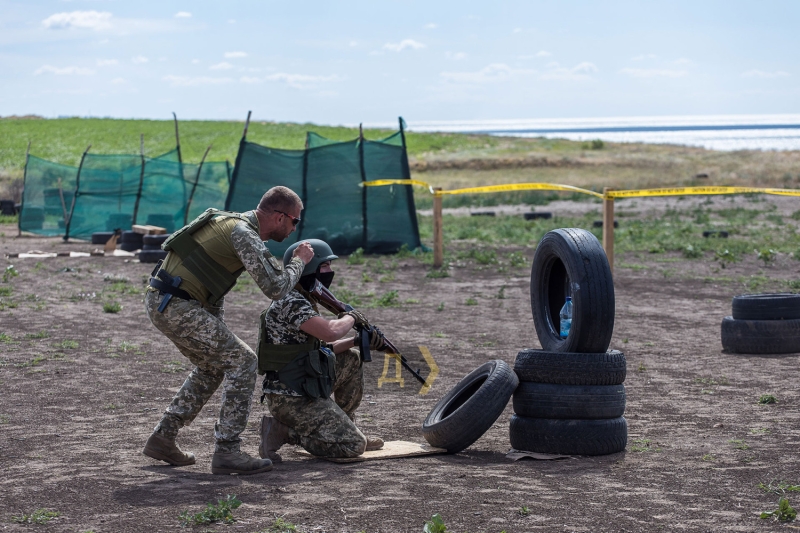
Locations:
(322, 253)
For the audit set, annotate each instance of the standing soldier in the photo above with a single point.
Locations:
(305, 359)
(184, 301)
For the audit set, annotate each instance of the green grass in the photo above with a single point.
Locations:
(767, 399)
(112, 307)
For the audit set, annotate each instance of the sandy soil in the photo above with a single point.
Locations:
(78, 404)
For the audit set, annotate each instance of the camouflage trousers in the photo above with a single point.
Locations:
(322, 426)
(204, 339)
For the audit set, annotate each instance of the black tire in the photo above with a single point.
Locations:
(778, 306)
(151, 256)
(760, 336)
(130, 241)
(716, 234)
(541, 214)
(569, 437)
(599, 224)
(470, 408)
(565, 402)
(572, 261)
(101, 237)
(567, 368)
(154, 240)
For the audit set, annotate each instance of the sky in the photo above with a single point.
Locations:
(332, 62)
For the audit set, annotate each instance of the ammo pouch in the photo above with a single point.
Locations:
(310, 373)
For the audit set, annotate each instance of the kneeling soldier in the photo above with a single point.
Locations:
(305, 359)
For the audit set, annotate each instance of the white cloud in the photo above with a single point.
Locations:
(431, 26)
(456, 56)
(301, 81)
(231, 55)
(683, 61)
(138, 60)
(119, 81)
(653, 73)
(183, 15)
(250, 79)
(221, 66)
(106, 62)
(496, 72)
(402, 45)
(64, 71)
(543, 53)
(642, 57)
(755, 73)
(516, 30)
(195, 61)
(191, 81)
(93, 20)
(581, 71)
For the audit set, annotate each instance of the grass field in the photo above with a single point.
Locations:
(445, 160)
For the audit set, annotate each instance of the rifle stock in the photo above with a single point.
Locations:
(332, 304)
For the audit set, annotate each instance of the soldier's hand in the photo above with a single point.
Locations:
(360, 319)
(377, 341)
(304, 251)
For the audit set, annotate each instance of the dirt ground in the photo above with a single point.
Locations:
(82, 389)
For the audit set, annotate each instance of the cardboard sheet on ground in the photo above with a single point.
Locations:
(516, 455)
(393, 449)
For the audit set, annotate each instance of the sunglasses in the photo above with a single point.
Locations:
(295, 221)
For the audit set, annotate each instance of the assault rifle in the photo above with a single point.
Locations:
(332, 304)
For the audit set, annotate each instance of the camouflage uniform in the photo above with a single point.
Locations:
(322, 426)
(199, 332)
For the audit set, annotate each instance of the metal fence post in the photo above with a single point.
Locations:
(608, 227)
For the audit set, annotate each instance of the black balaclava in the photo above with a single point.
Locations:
(326, 278)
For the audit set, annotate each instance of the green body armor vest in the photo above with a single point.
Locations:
(308, 369)
(216, 279)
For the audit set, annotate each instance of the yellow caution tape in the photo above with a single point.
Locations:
(485, 189)
(381, 183)
(520, 187)
(667, 191)
(685, 191)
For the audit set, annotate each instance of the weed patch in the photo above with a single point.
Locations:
(112, 307)
(9, 272)
(784, 512)
(221, 512)
(389, 299)
(767, 399)
(435, 525)
(438, 273)
(356, 258)
(39, 516)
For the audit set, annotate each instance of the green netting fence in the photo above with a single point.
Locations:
(328, 176)
(106, 192)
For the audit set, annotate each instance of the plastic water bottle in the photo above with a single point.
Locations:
(566, 317)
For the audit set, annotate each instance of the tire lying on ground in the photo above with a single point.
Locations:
(760, 336)
(470, 408)
(101, 237)
(588, 402)
(151, 256)
(130, 241)
(571, 262)
(778, 306)
(154, 240)
(569, 437)
(568, 368)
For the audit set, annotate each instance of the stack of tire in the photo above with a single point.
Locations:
(571, 397)
(763, 324)
(151, 248)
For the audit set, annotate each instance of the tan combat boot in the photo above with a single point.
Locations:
(374, 443)
(164, 449)
(274, 434)
(238, 463)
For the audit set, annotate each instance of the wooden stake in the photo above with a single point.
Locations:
(438, 234)
(608, 227)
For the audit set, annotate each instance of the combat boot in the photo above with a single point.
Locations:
(164, 449)
(238, 463)
(374, 443)
(274, 434)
